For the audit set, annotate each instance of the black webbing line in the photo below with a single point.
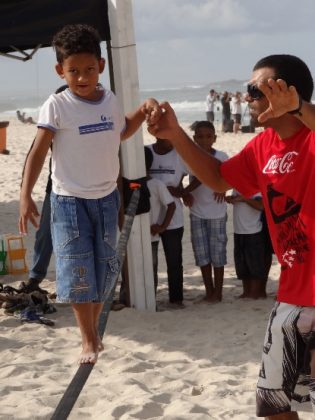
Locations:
(72, 393)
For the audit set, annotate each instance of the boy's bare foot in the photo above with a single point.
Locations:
(100, 345)
(214, 298)
(88, 357)
(89, 354)
(244, 296)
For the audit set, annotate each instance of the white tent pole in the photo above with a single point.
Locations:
(139, 253)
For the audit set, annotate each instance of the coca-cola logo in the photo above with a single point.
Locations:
(280, 164)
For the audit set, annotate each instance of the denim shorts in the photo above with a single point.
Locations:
(208, 237)
(84, 234)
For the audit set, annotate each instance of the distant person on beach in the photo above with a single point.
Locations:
(208, 219)
(236, 111)
(252, 256)
(86, 125)
(26, 120)
(43, 247)
(279, 162)
(168, 167)
(210, 102)
(226, 111)
(162, 208)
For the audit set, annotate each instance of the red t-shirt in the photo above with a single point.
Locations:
(284, 172)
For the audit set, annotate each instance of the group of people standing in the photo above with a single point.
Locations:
(231, 105)
(85, 125)
(208, 217)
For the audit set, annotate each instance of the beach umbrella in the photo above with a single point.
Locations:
(30, 24)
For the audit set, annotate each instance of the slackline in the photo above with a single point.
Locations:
(72, 393)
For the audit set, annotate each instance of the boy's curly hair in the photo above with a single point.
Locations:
(202, 124)
(76, 39)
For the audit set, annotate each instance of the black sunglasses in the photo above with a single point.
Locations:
(254, 92)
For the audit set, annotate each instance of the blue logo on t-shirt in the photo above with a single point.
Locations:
(106, 125)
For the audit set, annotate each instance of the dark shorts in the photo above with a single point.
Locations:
(236, 118)
(250, 256)
(210, 116)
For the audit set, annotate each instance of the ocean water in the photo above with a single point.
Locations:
(188, 101)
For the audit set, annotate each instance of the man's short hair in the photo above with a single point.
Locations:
(76, 39)
(291, 69)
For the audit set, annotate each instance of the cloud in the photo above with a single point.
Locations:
(165, 19)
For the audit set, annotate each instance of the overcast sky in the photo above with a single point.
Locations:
(182, 42)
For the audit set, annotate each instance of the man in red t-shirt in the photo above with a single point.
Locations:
(280, 163)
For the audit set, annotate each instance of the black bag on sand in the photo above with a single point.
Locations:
(248, 129)
(228, 126)
(144, 201)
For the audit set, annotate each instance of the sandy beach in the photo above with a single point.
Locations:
(197, 363)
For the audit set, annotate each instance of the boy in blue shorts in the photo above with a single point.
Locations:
(86, 125)
(208, 219)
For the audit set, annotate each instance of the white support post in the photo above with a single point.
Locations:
(125, 70)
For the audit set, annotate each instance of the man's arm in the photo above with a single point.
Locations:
(255, 203)
(32, 169)
(150, 111)
(203, 165)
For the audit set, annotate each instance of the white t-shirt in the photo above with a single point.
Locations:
(86, 142)
(210, 100)
(246, 219)
(160, 198)
(236, 107)
(204, 205)
(170, 169)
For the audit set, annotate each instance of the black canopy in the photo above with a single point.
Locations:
(30, 24)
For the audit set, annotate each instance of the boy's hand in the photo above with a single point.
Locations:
(152, 111)
(28, 211)
(282, 98)
(167, 125)
(188, 199)
(156, 229)
(219, 197)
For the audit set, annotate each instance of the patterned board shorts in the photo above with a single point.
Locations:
(284, 377)
(84, 234)
(208, 237)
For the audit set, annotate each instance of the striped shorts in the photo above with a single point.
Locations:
(208, 237)
(284, 383)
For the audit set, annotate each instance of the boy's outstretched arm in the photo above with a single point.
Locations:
(203, 165)
(32, 169)
(150, 111)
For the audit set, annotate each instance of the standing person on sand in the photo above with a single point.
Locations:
(236, 111)
(168, 167)
(208, 219)
(251, 252)
(86, 125)
(280, 163)
(210, 101)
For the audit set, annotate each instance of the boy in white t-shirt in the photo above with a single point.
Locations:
(168, 167)
(86, 125)
(208, 219)
(162, 208)
(252, 255)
